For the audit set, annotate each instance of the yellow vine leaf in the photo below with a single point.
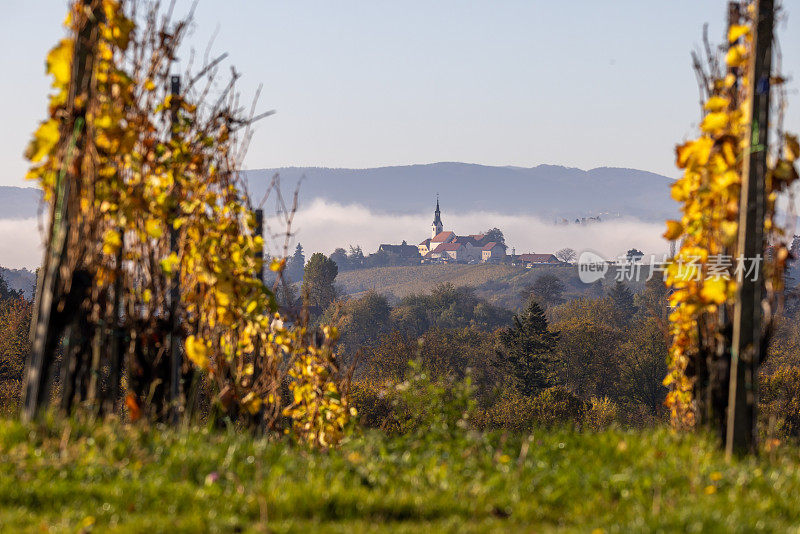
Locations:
(674, 230)
(197, 351)
(736, 56)
(791, 149)
(717, 103)
(153, 228)
(44, 139)
(736, 32)
(169, 264)
(714, 122)
(715, 290)
(277, 264)
(111, 242)
(59, 63)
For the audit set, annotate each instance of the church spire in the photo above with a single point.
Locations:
(437, 227)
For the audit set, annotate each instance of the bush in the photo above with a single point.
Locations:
(374, 401)
(558, 406)
(780, 401)
(555, 406)
(418, 406)
(602, 413)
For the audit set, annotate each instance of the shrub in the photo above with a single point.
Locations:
(602, 413)
(555, 406)
(780, 400)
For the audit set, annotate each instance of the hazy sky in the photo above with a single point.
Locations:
(371, 83)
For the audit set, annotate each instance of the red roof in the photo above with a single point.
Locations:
(441, 237)
(447, 247)
(490, 245)
(538, 258)
(426, 242)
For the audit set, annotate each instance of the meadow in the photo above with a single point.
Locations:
(80, 477)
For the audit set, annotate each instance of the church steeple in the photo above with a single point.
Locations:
(437, 227)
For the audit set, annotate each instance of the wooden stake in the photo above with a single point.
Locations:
(50, 313)
(747, 327)
(175, 291)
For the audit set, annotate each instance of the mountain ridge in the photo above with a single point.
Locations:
(550, 191)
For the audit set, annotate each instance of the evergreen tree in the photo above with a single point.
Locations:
(296, 264)
(339, 256)
(356, 256)
(318, 277)
(527, 348)
(623, 301)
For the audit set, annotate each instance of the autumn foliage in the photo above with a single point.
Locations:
(703, 274)
(160, 208)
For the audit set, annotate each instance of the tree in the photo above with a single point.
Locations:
(567, 255)
(355, 257)
(494, 235)
(339, 256)
(318, 277)
(361, 321)
(588, 352)
(548, 288)
(296, 264)
(643, 365)
(527, 346)
(6, 292)
(623, 301)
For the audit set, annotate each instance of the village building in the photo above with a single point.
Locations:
(402, 251)
(493, 252)
(532, 260)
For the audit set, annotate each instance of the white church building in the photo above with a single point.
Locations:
(449, 247)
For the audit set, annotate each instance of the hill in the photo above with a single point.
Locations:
(547, 191)
(501, 285)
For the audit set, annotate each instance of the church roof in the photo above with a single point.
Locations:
(443, 237)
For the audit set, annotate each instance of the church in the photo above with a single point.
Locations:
(446, 246)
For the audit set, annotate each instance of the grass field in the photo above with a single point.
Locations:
(113, 478)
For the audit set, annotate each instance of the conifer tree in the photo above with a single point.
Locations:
(527, 348)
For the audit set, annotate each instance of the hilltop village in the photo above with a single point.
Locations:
(445, 246)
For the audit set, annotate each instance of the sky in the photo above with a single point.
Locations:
(365, 83)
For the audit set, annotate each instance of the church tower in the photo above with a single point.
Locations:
(437, 227)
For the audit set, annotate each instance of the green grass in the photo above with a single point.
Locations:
(115, 478)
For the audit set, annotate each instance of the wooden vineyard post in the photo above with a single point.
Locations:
(176, 362)
(52, 308)
(747, 320)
